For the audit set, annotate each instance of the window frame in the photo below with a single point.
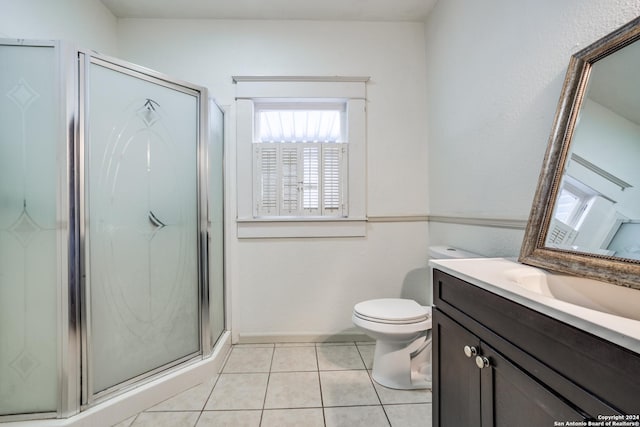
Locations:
(349, 90)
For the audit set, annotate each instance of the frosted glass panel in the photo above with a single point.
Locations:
(142, 226)
(216, 233)
(28, 237)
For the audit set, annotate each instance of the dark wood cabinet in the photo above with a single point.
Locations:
(512, 397)
(459, 393)
(498, 363)
(484, 388)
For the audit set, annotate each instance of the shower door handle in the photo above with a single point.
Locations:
(153, 219)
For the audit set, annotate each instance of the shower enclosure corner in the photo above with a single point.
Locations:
(110, 189)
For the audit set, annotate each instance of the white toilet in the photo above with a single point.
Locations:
(402, 330)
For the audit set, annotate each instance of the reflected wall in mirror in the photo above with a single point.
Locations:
(585, 217)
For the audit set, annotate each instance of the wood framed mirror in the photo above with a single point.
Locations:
(585, 218)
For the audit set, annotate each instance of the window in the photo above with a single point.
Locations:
(301, 153)
(573, 202)
(301, 156)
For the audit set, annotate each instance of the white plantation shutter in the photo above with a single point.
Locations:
(267, 179)
(333, 177)
(289, 167)
(311, 179)
(301, 179)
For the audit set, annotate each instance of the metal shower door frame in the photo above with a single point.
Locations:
(84, 60)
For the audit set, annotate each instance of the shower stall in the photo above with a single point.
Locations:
(111, 225)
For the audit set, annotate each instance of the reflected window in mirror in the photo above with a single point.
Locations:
(573, 200)
(584, 220)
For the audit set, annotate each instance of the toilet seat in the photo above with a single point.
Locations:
(394, 311)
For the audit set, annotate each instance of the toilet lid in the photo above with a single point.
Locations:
(392, 310)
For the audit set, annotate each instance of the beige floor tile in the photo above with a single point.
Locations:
(356, 416)
(292, 418)
(126, 423)
(339, 357)
(293, 390)
(328, 343)
(254, 345)
(229, 419)
(293, 393)
(347, 388)
(416, 415)
(193, 399)
(166, 419)
(292, 359)
(393, 396)
(366, 352)
(238, 391)
(249, 359)
(295, 344)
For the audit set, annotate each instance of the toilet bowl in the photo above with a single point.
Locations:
(402, 330)
(401, 327)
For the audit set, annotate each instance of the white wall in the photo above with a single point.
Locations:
(479, 82)
(276, 286)
(494, 73)
(88, 24)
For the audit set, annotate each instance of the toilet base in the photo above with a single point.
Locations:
(394, 367)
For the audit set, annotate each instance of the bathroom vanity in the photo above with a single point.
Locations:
(504, 355)
(515, 345)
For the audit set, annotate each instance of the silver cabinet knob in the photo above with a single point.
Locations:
(470, 351)
(482, 362)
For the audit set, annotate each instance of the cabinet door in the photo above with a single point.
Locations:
(511, 397)
(456, 387)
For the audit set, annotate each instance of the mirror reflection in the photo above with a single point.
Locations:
(597, 205)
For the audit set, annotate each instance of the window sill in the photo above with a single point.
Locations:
(265, 228)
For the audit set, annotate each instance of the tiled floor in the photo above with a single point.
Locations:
(300, 385)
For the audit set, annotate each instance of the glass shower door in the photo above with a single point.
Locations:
(142, 261)
(32, 234)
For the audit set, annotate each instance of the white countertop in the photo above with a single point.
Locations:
(488, 274)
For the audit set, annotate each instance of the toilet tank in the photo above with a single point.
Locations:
(442, 252)
(445, 252)
(417, 284)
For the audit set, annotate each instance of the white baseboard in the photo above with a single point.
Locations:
(262, 338)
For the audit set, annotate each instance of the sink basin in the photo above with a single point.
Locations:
(588, 293)
(609, 311)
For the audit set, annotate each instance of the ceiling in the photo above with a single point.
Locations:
(613, 82)
(320, 10)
